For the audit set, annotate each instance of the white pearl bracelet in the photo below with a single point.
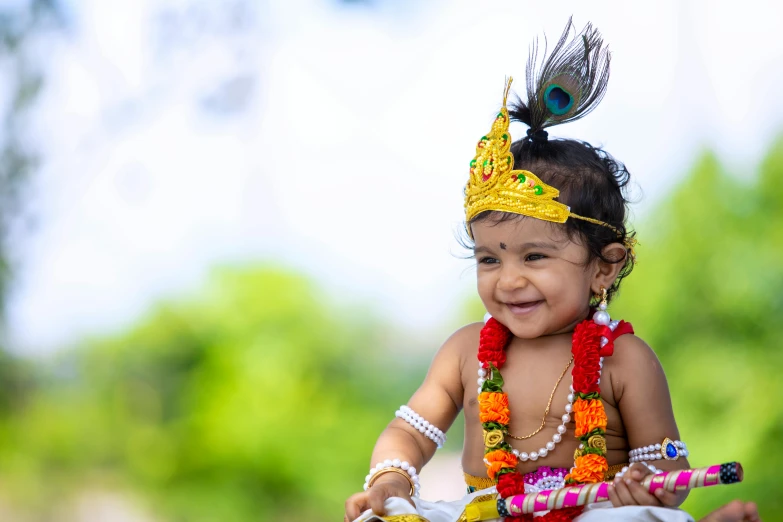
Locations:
(417, 421)
(648, 466)
(668, 449)
(409, 470)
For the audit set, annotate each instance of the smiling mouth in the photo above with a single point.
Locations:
(523, 307)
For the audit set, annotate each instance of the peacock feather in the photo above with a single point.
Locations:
(568, 83)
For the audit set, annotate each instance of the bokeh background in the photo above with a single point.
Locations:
(228, 237)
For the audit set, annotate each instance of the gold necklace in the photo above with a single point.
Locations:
(548, 404)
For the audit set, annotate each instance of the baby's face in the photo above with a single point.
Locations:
(531, 277)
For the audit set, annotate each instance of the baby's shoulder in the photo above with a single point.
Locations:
(633, 364)
(460, 347)
(631, 351)
(465, 340)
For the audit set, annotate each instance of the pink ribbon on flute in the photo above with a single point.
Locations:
(572, 496)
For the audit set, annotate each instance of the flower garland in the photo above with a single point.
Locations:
(589, 415)
(591, 342)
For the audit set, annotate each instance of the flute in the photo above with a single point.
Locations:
(581, 495)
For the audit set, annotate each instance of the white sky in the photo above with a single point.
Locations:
(345, 147)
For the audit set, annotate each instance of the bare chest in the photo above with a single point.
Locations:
(537, 383)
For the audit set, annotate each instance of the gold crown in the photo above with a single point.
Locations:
(495, 185)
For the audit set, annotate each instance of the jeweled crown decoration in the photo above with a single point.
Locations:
(495, 185)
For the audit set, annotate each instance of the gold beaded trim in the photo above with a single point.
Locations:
(478, 482)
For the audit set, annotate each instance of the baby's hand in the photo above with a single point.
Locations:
(628, 491)
(387, 486)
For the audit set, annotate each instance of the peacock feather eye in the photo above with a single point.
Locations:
(558, 100)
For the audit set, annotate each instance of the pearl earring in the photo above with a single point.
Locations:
(601, 316)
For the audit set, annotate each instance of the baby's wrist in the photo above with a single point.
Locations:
(400, 471)
(394, 479)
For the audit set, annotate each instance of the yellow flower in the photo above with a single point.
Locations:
(493, 438)
(598, 442)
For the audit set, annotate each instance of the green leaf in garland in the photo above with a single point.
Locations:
(496, 377)
(490, 386)
(596, 451)
(597, 431)
(495, 384)
(502, 446)
(489, 426)
(588, 396)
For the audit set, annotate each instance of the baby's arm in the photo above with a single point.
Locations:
(639, 386)
(438, 401)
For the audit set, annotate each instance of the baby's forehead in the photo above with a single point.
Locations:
(516, 228)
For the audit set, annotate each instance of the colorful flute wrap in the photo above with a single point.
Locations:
(581, 495)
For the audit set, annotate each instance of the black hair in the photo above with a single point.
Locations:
(570, 83)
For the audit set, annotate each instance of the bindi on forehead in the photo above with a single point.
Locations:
(502, 246)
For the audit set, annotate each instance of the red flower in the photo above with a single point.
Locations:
(621, 329)
(492, 343)
(586, 347)
(585, 384)
(511, 484)
(497, 358)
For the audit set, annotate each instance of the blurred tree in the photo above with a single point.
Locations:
(254, 400)
(21, 24)
(707, 295)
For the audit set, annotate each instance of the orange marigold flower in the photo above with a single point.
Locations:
(589, 468)
(493, 407)
(498, 460)
(588, 416)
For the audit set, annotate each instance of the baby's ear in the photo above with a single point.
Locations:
(607, 271)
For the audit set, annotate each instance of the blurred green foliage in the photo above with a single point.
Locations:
(707, 295)
(253, 400)
(259, 398)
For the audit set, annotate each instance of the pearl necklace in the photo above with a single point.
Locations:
(566, 418)
(556, 438)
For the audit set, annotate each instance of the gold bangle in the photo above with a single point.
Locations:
(391, 470)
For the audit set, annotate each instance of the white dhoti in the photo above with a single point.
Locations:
(400, 510)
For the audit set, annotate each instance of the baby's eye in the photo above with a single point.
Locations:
(534, 257)
(486, 260)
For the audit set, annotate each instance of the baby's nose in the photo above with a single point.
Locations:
(511, 279)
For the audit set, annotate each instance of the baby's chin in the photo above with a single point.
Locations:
(530, 332)
(523, 329)
(536, 329)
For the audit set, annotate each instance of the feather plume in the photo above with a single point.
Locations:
(569, 83)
